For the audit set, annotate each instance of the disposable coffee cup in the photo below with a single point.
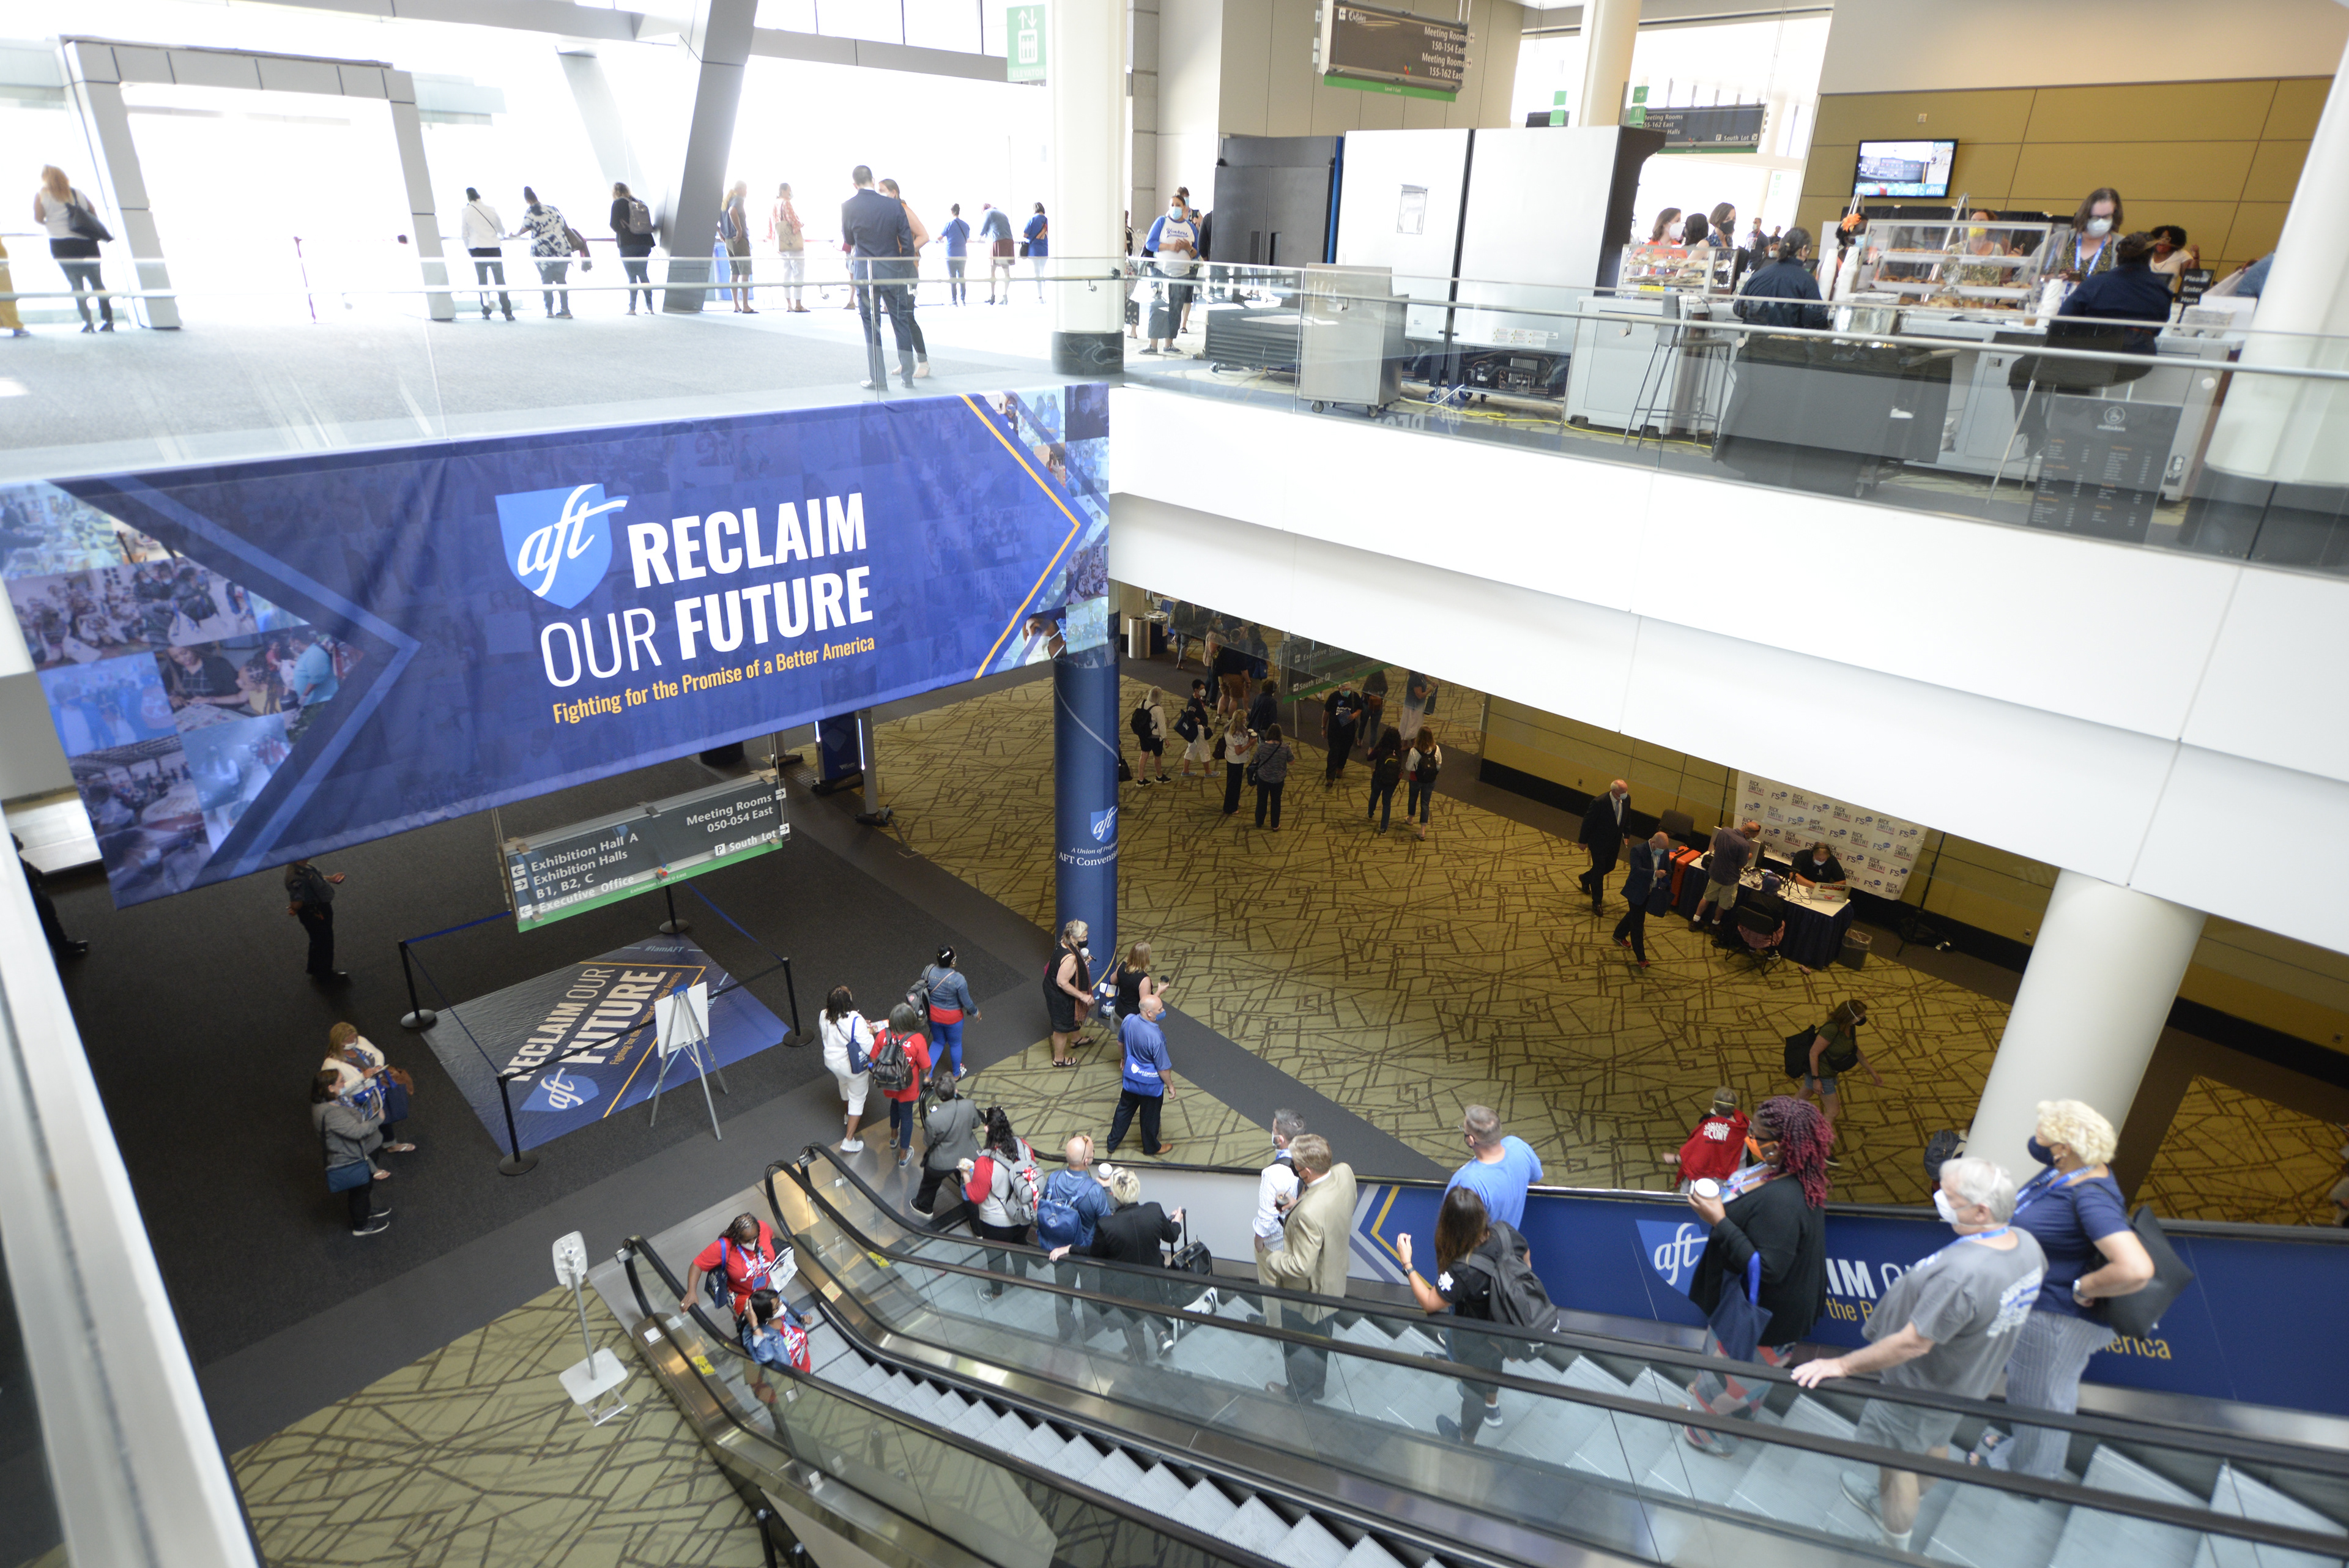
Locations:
(1704, 1186)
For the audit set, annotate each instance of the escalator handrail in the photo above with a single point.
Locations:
(2151, 1431)
(638, 1247)
(1956, 1470)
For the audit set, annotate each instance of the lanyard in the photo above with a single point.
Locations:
(1927, 1262)
(2046, 1181)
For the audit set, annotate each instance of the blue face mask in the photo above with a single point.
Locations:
(2040, 1151)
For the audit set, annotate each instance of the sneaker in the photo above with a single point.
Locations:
(380, 1214)
(1859, 1490)
(376, 1226)
(905, 1160)
(852, 1146)
(1162, 1152)
(1492, 1415)
(1447, 1428)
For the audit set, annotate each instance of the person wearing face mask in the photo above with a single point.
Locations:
(1174, 241)
(2120, 310)
(1069, 989)
(2087, 247)
(2075, 1210)
(1775, 1211)
(1777, 295)
(2171, 254)
(1946, 1327)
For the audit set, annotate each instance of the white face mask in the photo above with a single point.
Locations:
(1943, 1206)
(2100, 226)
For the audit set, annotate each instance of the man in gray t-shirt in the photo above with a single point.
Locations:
(1945, 1326)
(1732, 848)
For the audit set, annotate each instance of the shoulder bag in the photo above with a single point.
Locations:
(83, 222)
(2137, 1314)
(1798, 1052)
(1739, 1319)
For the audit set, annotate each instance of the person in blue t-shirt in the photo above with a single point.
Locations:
(1038, 234)
(1149, 1081)
(956, 234)
(1077, 1184)
(2075, 1210)
(1504, 1167)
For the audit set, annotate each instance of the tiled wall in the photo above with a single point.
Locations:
(2250, 973)
(2221, 158)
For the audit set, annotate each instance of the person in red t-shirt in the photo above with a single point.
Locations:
(1718, 1142)
(905, 1028)
(747, 1253)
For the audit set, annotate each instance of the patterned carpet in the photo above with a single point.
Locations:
(1406, 978)
(2238, 1156)
(475, 1456)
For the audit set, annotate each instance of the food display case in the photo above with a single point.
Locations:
(1705, 268)
(1954, 265)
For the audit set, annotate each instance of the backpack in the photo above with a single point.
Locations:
(1387, 770)
(1187, 726)
(1058, 1223)
(640, 217)
(892, 1067)
(1940, 1149)
(1023, 1188)
(918, 995)
(1427, 770)
(1140, 723)
(1519, 1298)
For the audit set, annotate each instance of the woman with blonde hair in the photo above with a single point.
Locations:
(734, 228)
(2075, 1210)
(1069, 989)
(361, 1073)
(1134, 983)
(55, 206)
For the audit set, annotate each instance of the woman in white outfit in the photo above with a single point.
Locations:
(847, 1042)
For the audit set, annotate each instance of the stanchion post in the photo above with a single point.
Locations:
(418, 1016)
(516, 1163)
(673, 927)
(793, 991)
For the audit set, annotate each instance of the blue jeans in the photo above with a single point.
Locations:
(945, 1044)
(901, 1123)
(1382, 804)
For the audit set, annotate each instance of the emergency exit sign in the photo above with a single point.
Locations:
(1023, 40)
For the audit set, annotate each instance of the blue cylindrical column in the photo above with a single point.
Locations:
(1085, 706)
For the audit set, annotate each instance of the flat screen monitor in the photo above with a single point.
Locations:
(1904, 169)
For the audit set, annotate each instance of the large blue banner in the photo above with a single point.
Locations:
(2241, 1331)
(256, 662)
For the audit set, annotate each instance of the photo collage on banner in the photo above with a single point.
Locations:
(1877, 852)
(175, 692)
(249, 663)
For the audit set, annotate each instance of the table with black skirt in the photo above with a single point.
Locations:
(1814, 926)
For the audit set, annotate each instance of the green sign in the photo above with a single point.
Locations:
(570, 870)
(1024, 41)
(1398, 88)
(1638, 113)
(1558, 107)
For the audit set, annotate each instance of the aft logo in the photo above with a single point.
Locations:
(555, 545)
(1104, 825)
(1671, 1251)
(562, 1091)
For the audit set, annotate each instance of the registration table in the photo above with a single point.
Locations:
(1815, 922)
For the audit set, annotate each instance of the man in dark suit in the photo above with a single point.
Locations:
(1603, 835)
(880, 245)
(1647, 887)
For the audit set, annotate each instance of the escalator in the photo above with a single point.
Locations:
(928, 1357)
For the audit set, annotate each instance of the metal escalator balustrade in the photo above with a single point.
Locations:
(1588, 1426)
(861, 1459)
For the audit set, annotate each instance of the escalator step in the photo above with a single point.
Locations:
(2095, 1539)
(1162, 1492)
(1981, 1528)
(1117, 1475)
(1368, 1553)
(2237, 1493)
(1309, 1546)
(1007, 1432)
(1044, 1446)
(951, 1410)
(1206, 1508)
(1254, 1527)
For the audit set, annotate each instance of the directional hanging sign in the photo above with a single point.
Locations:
(570, 870)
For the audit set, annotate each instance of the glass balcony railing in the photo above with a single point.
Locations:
(2205, 435)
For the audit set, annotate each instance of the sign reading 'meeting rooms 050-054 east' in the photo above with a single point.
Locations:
(572, 869)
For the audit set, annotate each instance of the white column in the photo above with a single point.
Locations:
(407, 130)
(95, 89)
(1084, 66)
(2274, 429)
(717, 49)
(2103, 973)
(1141, 112)
(1610, 29)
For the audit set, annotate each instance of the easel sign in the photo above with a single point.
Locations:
(681, 1025)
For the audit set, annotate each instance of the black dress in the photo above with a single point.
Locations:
(1129, 991)
(1791, 1237)
(1059, 1003)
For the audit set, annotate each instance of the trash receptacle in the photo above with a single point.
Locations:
(1855, 948)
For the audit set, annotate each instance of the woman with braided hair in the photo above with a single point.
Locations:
(1775, 1211)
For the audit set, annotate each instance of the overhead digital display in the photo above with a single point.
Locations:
(1904, 168)
(1369, 45)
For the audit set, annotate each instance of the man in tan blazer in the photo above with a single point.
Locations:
(1313, 1259)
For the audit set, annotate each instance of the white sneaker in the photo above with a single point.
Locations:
(852, 1146)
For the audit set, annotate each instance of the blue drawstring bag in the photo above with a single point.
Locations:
(1739, 1320)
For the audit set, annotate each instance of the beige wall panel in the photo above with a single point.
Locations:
(2257, 226)
(2176, 171)
(2140, 112)
(2299, 100)
(1997, 116)
(2275, 171)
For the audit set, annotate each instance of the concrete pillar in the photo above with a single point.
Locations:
(1142, 195)
(2276, 431)
(2103, 973)
(717, 50)
(1085, 62)
(599, 114)
(407, 132)
(95, 87)
(1085, 741)
(1610, 29)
